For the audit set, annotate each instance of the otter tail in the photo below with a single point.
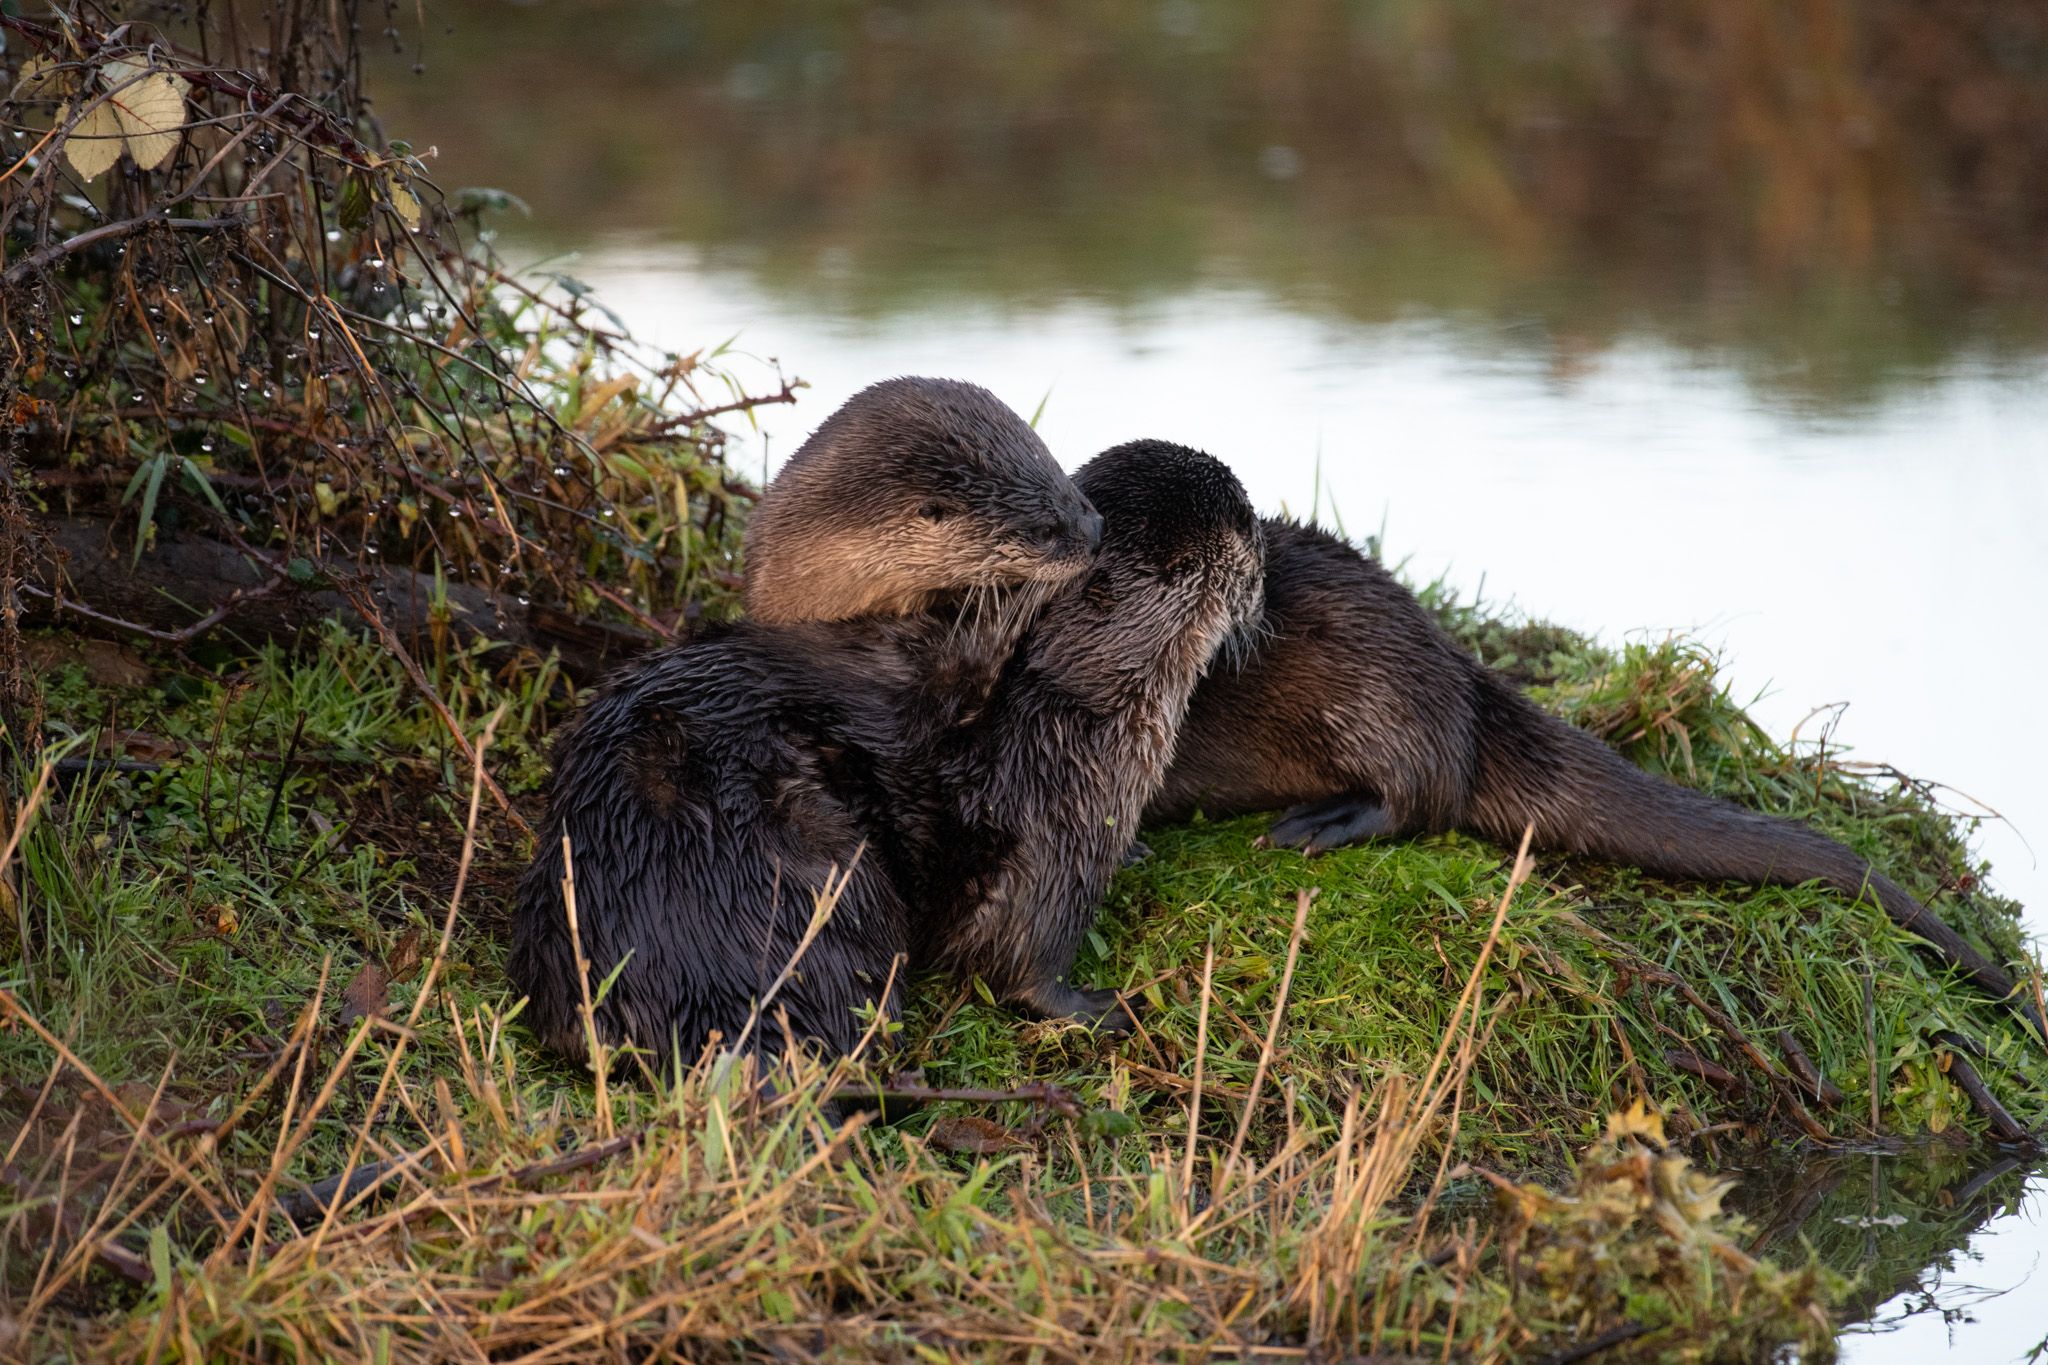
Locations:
(1584, 798)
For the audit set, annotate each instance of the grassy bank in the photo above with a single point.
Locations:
(228, 931)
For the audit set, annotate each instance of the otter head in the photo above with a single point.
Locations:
(914, 492)
(1181, 540)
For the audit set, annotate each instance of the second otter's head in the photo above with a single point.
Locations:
(914, 491)
(1182, 551)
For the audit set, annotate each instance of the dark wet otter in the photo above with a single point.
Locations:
(982, 567)
(710, 792)
(1362, 717)
(1359, 715)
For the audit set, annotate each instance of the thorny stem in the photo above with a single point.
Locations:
(57, 251)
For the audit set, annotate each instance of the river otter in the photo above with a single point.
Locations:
(1357, 713)
(911, 491)
(1046, 792)
(1353, 710)
(710, 792)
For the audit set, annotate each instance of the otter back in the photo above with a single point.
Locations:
(1360, 713)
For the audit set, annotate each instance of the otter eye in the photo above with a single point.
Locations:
(933, 511)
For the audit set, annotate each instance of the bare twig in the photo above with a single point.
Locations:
(745, 403)
(122, 1262)
(1056, 1098)
(1810, 1079)
(1690, 1062)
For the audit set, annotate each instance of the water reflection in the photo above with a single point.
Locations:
(1832, 199)
(1944, 1246)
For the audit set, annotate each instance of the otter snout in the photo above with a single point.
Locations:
(1070, 536)
(1089, 531)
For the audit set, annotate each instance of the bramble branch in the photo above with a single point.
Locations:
(44, 257)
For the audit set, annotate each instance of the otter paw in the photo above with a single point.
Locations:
(1105, 1011)
(1137, 853)
(1319, 826)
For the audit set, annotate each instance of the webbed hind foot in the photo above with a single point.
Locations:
(1319, 826)
(1104, 1011)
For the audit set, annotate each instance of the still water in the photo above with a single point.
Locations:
(1983, 1303)
(1640, 319)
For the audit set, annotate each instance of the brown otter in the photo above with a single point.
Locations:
(911, 491)
(710, 791)
(1357, 713)
(1353, 710)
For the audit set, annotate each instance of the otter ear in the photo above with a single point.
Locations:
(934, 511)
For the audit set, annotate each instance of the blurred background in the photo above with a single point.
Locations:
(1644, 315)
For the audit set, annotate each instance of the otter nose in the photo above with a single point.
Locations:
(1091, 531)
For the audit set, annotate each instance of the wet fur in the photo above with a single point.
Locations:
(981, 766)
(913, 490)
(706, 799)
(1082, 727)
(1359, 712)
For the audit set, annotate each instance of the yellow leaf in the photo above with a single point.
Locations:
(41, 79)
(94, 145)
(1640, 1122)
(405, 204)
(151, 111)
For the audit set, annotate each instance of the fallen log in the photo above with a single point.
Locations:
(188, 588)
